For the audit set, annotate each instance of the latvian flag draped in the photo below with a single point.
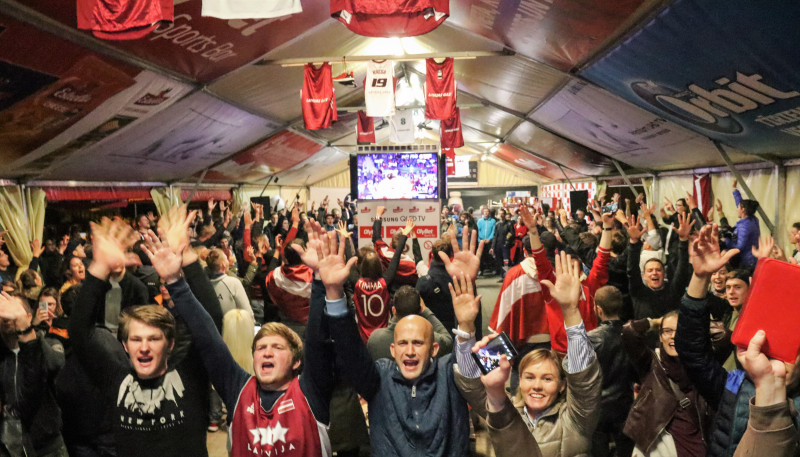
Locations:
(520, 309)
(289, 287)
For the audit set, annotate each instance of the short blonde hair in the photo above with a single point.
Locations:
(292, 338)
(152, 315)
(237, 326)
(537, 356)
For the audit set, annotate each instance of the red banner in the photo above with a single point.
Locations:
(562, 33)
(527, 161)
(278, 153)
(365, 231)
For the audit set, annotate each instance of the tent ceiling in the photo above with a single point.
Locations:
(564, 92)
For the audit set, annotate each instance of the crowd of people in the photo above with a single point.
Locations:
(143, 336)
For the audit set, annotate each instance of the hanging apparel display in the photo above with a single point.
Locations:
(402, 127)
(250, 9)
(450, 132)
(390, 18)
(317, 97)
(123, 19)
(365, 129)
(440, 89)
(379, 88)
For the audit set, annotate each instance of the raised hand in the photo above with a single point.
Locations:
(765, 245)
(409, 228)
(248, 220)
(527, 218)
(690, 201)
(110, 240)
(36, 248)
(251, 253)
(11, 310)
(295, 216)
(380, 211)
(635, 231)
(608, 220)
(735, 183)
(333, 270)
(341, 229)
(685, 223)
(465, 304)
(719, 206)
(211, 205)
(768, 375)
(495, 380)
(466, 262)
(166, 260)
(174, 229)
(223, 205)
(704, 253)
(567, 289)
(668, 205)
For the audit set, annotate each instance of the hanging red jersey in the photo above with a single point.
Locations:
(450, 161)
(123, 19)
(440, 89)
(371, 299)
(390, 18)
(289, 428)
(379, 88)
(365, 129)
(317, 97)
(450, 132)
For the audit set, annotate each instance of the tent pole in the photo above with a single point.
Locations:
(565, 176)
(196, 186)
(624, 176)
(746, 188)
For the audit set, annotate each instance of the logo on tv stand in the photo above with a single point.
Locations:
(431, 209)
(413, 209)
(398, 210)
(365, 209)
(713, 109)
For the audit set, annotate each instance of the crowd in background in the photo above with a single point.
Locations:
(144, 335)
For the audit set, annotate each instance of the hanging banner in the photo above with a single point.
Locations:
(192, 134)
(559, 32)
(688, 66)
(57, 106)
(425, 214)
(151, 94)
(583, 160)
(280, 152)
(598, 119)
(530, 162)
(205, 48)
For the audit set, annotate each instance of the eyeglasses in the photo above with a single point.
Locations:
(668, 331)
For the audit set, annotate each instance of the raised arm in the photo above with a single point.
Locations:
(377, 224)
(635, 232)
(391, 270)
(682, 271)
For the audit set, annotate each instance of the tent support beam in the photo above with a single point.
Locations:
(350, 109)
(624, 176)
(746, 188)
(299, 62)
(566, 177)
(196, 186)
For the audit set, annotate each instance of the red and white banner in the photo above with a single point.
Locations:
(701, 192)
(425, 213)
(561, 192)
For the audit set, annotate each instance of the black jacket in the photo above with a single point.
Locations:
(27, 382)
(655, 303)
(618, 372)
(435, 293)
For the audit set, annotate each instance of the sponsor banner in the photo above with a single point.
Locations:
(17, 83)
(598, 119)
(190, 135)
(556, 192)
(150, 94)
(527, 161)
(205, 48)
(560, 32)
(55, 107)
(745, 93)
(280, 152)
(425, 213)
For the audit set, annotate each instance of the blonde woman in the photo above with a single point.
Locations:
(238, 329)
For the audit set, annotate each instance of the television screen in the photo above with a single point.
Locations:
(398, 176)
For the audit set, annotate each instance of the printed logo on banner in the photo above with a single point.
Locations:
(713, 109)
(413, 209)
(365, 209)
(430, 209)
(426, 231)
(398, 210)
(365, 232)
(427, 244)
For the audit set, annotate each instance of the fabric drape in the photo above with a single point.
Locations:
(24, 221)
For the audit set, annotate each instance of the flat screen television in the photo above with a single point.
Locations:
(388, 176)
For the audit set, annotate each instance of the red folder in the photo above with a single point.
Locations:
(773, 305)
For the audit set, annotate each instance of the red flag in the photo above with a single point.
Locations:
(365, 129)
(450, 160)
(701, 192)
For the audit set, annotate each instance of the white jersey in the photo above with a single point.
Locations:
(379, 88)
(402, 127)
(250, 9)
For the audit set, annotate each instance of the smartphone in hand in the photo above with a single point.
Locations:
(488, 357)
(43, 306)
